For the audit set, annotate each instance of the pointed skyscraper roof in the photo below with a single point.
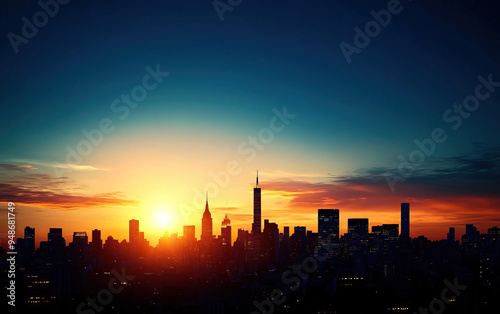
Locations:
(207, 212)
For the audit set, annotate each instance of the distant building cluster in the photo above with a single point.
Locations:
(393, 272)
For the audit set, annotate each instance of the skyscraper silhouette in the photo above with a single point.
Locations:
(357, 227)
(226, 232)
(29, 238)
(80, 238)
(56, 242)
(206, 224)
(328, 228)
(451, 235)
(96, 243)
(96, 237)
(133, 231)
(256, 226)
(328, 224)
(405, 219)
(55, 236)
(189, 233)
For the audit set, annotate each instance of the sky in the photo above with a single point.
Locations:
(112, 111)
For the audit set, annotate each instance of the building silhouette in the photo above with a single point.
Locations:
(270, 242)
(328, 225)
(298, 243)
(55, 235)
(357, 227)
(29, 238)
(188, 233)
(80, 238)
(225, 231)
(451, 235)
(256, 226)
(96, 243)
(206, 225)
(357, 236)
(387, 230)
(405, 219)
(133, 231)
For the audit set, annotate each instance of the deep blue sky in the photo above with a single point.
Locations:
(263, 55)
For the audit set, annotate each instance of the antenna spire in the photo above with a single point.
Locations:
(257, 185)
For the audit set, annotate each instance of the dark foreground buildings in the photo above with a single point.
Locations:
(263, 271)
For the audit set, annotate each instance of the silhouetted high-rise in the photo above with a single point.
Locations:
(256, 226)
(96, 243)
(451, 235)
(270, 242)
(328, 228)
(55, 236)
(226, 232)
(133, 231)
(189, 233)
(29, 238)
(56, 242)
(328, 225)
(494, 231)
(405, 219)
(80, 238)
(96, 237)
(387, 230)
(298, 243)
(357, 227)
(206, 224)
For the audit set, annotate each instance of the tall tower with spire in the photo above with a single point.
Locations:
(206, 224)
(225, 231)
(256, 226)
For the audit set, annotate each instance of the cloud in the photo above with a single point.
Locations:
(43, 190)
(229, 209)
(21, 168)
(77, 167)
(476, 174)
(454, 191)
(61, 165)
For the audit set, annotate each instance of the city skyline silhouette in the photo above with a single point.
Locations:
(354, 261)
(262, 157)
(257, 220)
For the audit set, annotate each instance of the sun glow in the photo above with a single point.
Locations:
(163, 218)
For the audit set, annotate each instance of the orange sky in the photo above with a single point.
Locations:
(288, 199)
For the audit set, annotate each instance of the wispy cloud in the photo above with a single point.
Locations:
(43, 190)
(60, 165)
(225, 208)
(77, 167)
(20, 168)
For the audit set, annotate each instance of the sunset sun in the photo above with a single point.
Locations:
(162, 218)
